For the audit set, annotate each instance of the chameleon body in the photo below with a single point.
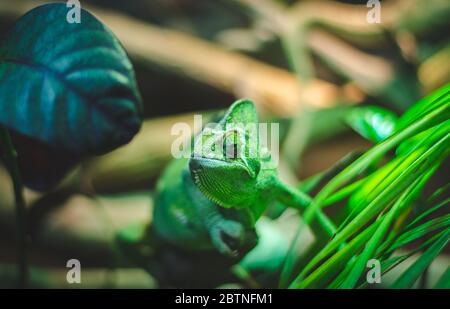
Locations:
(213, 199)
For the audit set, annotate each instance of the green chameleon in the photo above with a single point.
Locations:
(214, 198)
(211, 200)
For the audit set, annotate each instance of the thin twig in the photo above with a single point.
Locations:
(12, 166)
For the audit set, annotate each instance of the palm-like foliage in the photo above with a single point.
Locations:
(385, 207)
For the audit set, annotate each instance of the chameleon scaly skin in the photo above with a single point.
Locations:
(213, 199)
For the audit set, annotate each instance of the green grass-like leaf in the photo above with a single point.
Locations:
(444, 280)
(410, 276)
(380, 216)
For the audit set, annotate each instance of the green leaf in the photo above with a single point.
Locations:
(374, 207)
(376, 183)
(388, 264)
(446, 202)
(425, 136)
(343, 274)
(444, 281)
(316, 181)
(419, 231)
(371, 246)
(425, 105)
(410, 276)
(71, 86)
(332, 265)
(372, 122)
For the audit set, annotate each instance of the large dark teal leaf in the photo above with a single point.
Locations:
(70, 86)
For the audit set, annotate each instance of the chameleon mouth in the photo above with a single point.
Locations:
(195, 168)
(194, 164)
(196, 178)
(202, 182)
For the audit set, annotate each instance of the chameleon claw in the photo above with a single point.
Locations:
(230, 241)
(228, 238)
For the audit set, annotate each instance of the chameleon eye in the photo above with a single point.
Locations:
(231, 151)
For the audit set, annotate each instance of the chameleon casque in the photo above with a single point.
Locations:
(211, 200)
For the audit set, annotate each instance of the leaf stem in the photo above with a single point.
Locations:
(10, 159)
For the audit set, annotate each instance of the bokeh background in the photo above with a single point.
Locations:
(302, 62)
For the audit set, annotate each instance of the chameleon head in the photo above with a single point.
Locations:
(225, 164)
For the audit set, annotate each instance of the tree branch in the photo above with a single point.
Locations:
(274, 90)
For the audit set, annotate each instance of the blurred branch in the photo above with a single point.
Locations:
(435, 71)
(91, 278)
(369, 72)
(350, 21)
(294, 23)
(273, 11)
(136, 163)
(319, 26)
(276, 91)
(81, 225)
